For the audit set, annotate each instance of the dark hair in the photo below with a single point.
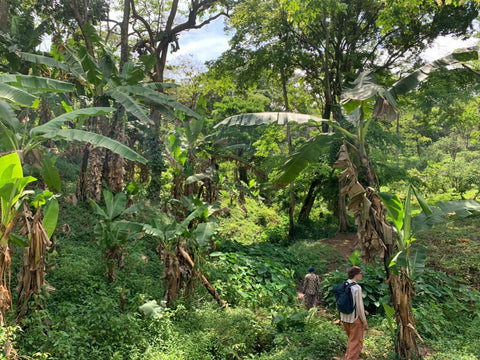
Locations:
(354, 270)
(311, 269)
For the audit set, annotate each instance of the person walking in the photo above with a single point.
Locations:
(356, 322)
(311, 284)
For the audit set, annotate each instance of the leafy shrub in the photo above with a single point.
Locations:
(319, 339)
(256, 275)
(374, 288)
(247, 224)
(321, 256)
(443, 306)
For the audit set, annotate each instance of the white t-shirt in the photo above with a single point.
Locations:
(359, 311)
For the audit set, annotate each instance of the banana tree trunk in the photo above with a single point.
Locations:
(32, 274)
(377, 239)
(91, 176)
(89, 184)
(5, 269)
(402, 291)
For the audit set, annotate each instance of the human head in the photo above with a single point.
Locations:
(353, 271)
(311, 269)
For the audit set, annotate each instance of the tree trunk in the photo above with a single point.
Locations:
(309, 201)
(204, 280)
(32, 274)
(376, 236)
(343, 223)
(402, 291)
(4, 16)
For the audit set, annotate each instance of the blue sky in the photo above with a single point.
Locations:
(211, 41)
(206, 43)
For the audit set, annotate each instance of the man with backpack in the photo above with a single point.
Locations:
(352, 312)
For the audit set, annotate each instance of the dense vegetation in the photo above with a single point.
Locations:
(149, 211)
(88, 317)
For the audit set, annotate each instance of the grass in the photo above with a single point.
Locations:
(87, 317)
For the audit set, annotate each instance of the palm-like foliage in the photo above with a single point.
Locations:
(113, 231)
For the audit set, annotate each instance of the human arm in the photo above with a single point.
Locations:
(359, 307)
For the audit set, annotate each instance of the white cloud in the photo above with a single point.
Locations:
(206, 43)
(444, 45)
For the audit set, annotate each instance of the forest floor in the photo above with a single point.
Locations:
(345, 243)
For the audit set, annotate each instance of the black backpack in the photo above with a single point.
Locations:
(343, 295)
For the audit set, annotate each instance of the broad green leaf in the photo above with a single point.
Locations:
(309, 153)
(116, 205)
(36, 83)
(204, 232)
(59, 122)
(412, 80)
(98, 210)
(183, 226)
(17, 96)
(160, 99)
(130, 104)
(18, 240)
(459, 206)
(394, 207)
(8, 117)
(97, 140)
(10, 168)
(51, 175)
(154, 231)
(423, 204)
(130, 226)
(417, 262)
(50, 216)
(9, 140)
(44, 60)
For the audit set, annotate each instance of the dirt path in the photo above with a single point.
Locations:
(345, 243)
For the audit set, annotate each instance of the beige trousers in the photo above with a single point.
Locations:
(355, 339)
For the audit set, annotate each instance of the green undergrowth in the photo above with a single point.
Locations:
(87, 317)
(453, 248)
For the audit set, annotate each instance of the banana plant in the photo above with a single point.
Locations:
(174, 244)
(400, 215)
(373, 229)
(22, 92)
(100, 81)
(113, 232)
(12, 195)
(38, 229)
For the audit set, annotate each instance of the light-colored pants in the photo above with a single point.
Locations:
(355, 339)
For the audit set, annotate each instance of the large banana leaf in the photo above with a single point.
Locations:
(36, 83)
(59, 122)
(54, 129)
(17, 96)
(97, 140)
(412, 80)
(8, 117)
(366, 87)
(309, 153)
(266, 118)
(130, 104)
(158, 98)
(44, 60)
